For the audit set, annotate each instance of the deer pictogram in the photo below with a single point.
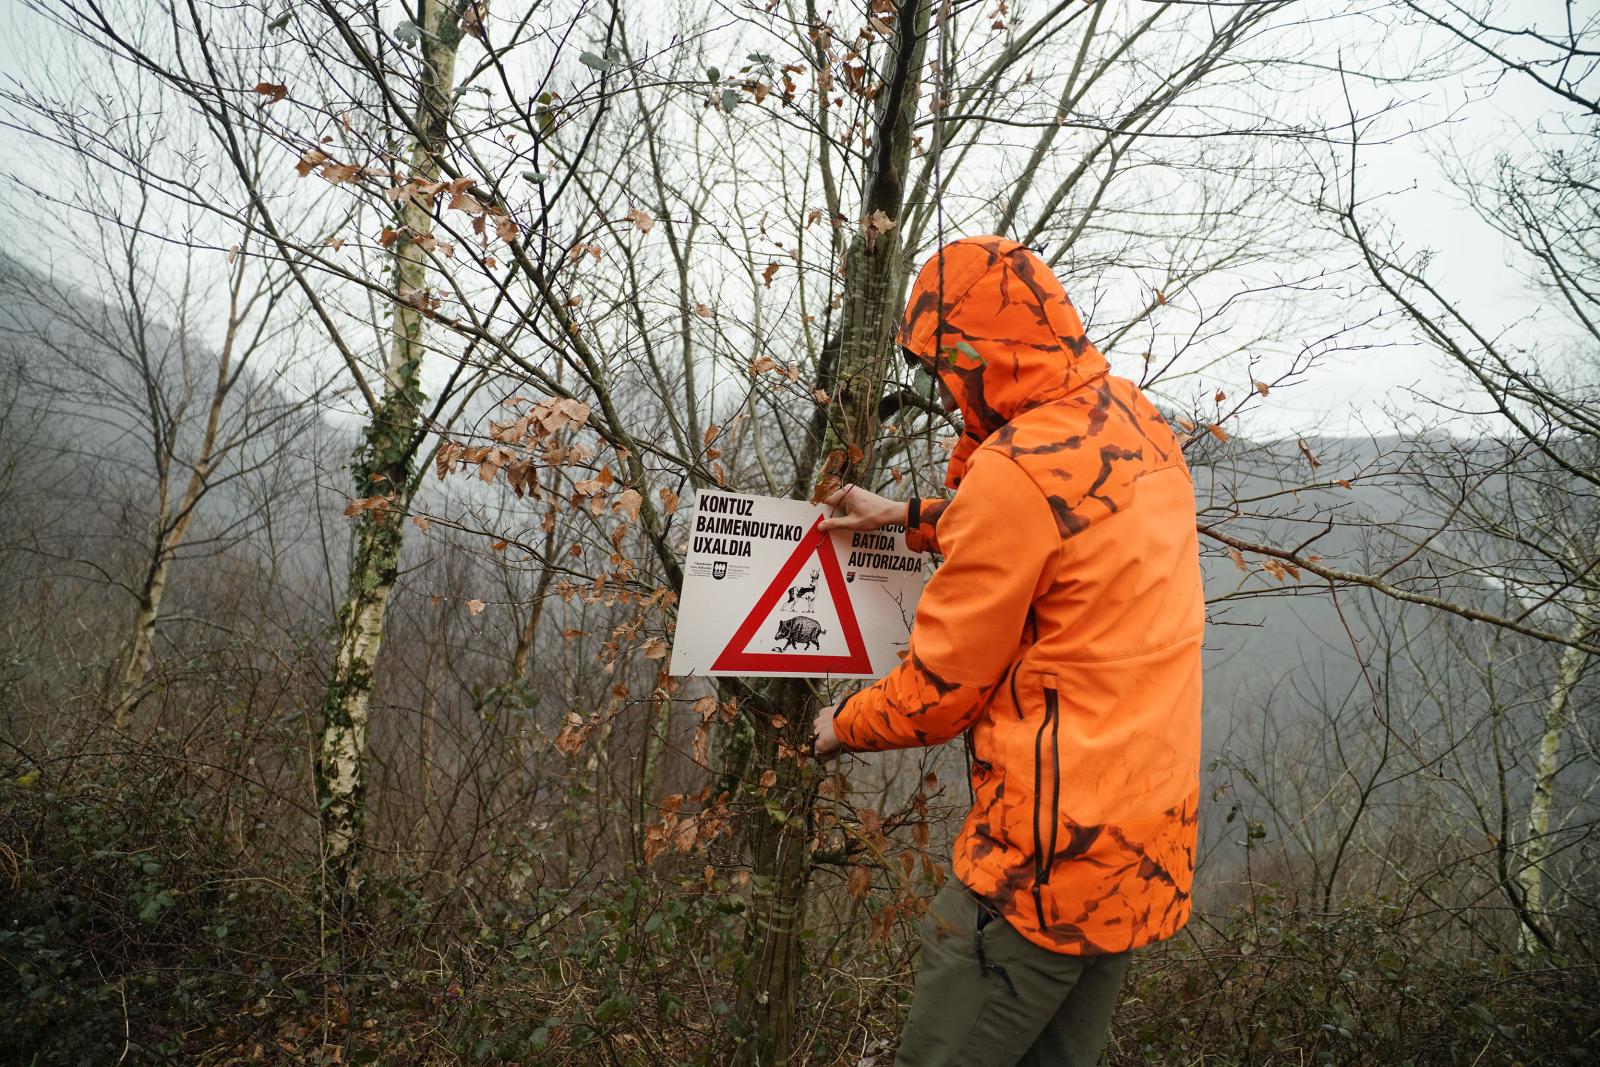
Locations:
(804, 593)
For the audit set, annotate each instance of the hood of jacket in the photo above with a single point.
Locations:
(988, 316)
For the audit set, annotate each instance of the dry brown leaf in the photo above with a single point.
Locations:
(824, 488)
(1305, 450)
(310, 160)
(641, 219)
(767, 275)
(272, 91)
(475, 607)
(628, 502)
(655, 648)
(769, 779)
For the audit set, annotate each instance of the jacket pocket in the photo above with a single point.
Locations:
(1046, 758)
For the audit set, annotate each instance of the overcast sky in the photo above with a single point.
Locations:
(1463, 121)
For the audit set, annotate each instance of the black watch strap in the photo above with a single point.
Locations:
(914, 513)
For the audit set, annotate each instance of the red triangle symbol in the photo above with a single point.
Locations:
(856, 661)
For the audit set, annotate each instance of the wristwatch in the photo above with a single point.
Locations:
(914, 512)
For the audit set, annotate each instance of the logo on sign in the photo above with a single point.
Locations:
(719, 569)
(850, 576)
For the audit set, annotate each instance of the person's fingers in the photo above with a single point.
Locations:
(835, 498)
(843, 522)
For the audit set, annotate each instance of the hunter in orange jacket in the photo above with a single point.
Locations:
(1064, 627)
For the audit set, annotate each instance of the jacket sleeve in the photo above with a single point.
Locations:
(1000, 546)
(924, 536)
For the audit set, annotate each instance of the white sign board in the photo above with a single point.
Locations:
(766, 593)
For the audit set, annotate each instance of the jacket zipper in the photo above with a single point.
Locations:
(1042, 857)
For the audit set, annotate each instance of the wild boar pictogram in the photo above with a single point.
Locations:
(798, 631)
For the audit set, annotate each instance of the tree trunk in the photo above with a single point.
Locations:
(779, 837)
(144, 636)
(1532, 937)
(384, 468)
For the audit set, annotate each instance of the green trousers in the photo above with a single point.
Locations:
(988, 997)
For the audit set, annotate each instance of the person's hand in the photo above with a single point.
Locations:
(864, 510)
(824, 742)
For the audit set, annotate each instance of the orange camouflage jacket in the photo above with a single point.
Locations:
(1064, 627)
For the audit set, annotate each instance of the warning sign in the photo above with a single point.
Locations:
(766, 593)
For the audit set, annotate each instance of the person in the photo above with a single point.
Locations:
(1062, 635)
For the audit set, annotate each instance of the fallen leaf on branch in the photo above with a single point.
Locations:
(641, 219)
(367, 503)
(825, 488)
(475, 607)
(1305, 450)
(272, 91)
(310, 160)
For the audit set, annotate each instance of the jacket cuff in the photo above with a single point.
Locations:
(921, 528)
(845, 717)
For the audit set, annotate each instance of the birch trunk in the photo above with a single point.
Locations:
(1532, 937)
(779, 838)
(172, 525)
(144, 634)
(384, 468)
